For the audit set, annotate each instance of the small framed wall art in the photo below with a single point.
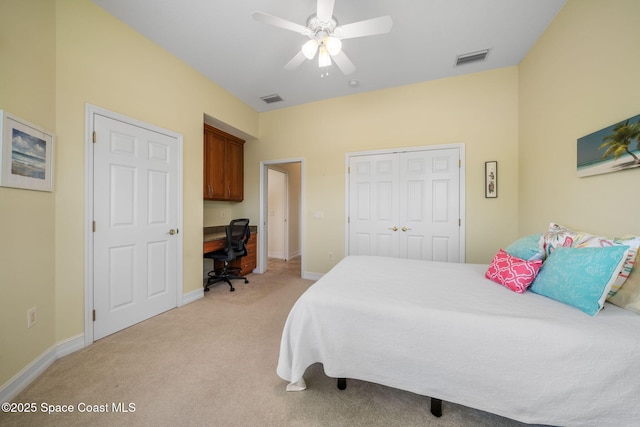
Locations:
(26, 154)
(491, 180)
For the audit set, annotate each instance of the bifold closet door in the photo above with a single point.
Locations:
(373, 205)
(429, 208)
(405, 205)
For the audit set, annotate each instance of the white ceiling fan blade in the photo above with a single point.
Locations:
(325, 10)
(369, 27)
(344, 63)
(295, 62)
(279, 22)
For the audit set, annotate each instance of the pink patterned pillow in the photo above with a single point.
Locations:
(511, 272)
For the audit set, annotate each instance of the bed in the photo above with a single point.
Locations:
(445, 331)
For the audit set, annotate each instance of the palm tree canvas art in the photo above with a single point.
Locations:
(611, 149)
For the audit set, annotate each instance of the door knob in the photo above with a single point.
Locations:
(394, 228)
(172, 231)
(405, 229)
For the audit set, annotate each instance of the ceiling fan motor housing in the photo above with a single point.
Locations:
(315, 25)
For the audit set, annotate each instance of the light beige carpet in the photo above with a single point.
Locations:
(212, 363)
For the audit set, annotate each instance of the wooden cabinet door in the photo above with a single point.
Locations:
(223, 166)
(234, 171)
(214, 171)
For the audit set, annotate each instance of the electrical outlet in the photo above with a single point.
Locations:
(32, 316)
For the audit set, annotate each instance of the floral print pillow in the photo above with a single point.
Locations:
(560, 236)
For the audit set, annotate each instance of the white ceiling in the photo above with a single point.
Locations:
(220, 39)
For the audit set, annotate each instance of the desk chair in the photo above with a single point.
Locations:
(238, 234)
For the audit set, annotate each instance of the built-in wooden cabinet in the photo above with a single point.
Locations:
(223, 166)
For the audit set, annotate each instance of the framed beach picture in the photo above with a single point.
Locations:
(611, 149)
(26, 154)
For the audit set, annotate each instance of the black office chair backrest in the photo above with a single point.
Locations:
(238, 234)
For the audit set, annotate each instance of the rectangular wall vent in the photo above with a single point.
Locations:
(467, 58)
(270, 99)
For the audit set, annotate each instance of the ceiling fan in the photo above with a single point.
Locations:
(325, 35)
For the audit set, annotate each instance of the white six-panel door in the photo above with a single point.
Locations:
(406, 205)
(374, 195)
(136, 216)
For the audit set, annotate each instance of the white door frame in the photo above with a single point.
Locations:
(285, 209)
(459, 146)
(90, 111)
(262, 230)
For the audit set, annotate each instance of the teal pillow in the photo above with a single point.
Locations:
(580, 277)
(526, 248)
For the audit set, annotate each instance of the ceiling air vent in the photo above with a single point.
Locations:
(467, 58)
(270, 99)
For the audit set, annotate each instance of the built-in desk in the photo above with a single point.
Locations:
(215, 238)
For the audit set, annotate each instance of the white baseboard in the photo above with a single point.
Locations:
(33, 370)
(192, 296)
(70, 345)
(309, 275)
(294, 254)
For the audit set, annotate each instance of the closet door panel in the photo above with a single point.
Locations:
(406, 205)
(373, 205)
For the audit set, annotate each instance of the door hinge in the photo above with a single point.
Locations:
(349, 169)
(459, 222)
(459, 163)
(95, 137)
(93, 226)
(94, 315)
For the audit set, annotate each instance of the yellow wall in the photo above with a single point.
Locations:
(75, 53)
(27, 240)
(581, 76)
(479, 110)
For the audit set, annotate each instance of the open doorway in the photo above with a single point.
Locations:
(281, 210)
(278, 213)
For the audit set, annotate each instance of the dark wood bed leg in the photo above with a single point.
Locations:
(436, 407)
(342, 383)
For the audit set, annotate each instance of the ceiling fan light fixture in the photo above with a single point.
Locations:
(324, 59)
(310, 48)
(334, 45)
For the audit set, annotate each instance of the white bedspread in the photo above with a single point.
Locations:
(443, 330)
